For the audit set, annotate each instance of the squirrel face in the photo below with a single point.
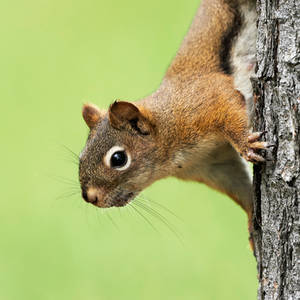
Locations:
(120, 157)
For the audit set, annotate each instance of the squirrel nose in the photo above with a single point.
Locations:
(94, 196)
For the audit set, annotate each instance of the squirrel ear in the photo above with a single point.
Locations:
(124, 114)
(91, 114)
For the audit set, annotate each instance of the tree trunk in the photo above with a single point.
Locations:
(277, 182)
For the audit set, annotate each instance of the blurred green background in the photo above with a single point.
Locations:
(54, 56)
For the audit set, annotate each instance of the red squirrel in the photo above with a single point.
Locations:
(195, 126)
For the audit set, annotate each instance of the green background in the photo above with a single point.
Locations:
(54, 56)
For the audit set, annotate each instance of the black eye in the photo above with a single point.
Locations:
(118, 159)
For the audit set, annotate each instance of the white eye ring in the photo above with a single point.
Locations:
(110, 152)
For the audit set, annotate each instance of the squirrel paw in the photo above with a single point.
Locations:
(255, 136)
(253, 146)
(251, 156)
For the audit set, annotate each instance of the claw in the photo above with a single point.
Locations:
(270, 145)
(255, 144)
(253, 137)
(259, 145)
(253, 157)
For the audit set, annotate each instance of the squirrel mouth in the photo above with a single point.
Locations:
(121, 199)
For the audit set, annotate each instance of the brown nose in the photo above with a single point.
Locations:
(94, 196)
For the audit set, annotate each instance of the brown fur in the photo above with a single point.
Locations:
(194, 127)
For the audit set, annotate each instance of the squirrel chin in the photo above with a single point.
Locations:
(120, 200)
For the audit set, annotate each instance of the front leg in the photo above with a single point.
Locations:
(237, 132)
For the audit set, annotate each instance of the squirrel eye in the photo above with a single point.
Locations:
(117, 158)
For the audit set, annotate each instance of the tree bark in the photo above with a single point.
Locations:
(277, 181)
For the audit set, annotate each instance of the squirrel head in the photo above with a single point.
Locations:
(121, 156)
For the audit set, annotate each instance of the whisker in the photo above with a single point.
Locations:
(120, 213)
(112, 221)
(73, 161)
(161, 206)
(71, 151)
(98, 216)
(65, 180)
(160, 217)
(145, 218)
(73, 188)
(156, 213)
(130, 210)
(68, 195)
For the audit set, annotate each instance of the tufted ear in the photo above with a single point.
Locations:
(91, 114)
(125, 115)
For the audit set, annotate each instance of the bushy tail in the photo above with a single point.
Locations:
(206, 48)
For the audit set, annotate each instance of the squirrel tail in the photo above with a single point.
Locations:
(209, 41)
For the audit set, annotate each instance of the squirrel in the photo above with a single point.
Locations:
(195, 126)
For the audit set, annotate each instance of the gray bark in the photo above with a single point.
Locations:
(277, 182)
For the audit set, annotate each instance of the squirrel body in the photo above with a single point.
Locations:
(196, 126)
